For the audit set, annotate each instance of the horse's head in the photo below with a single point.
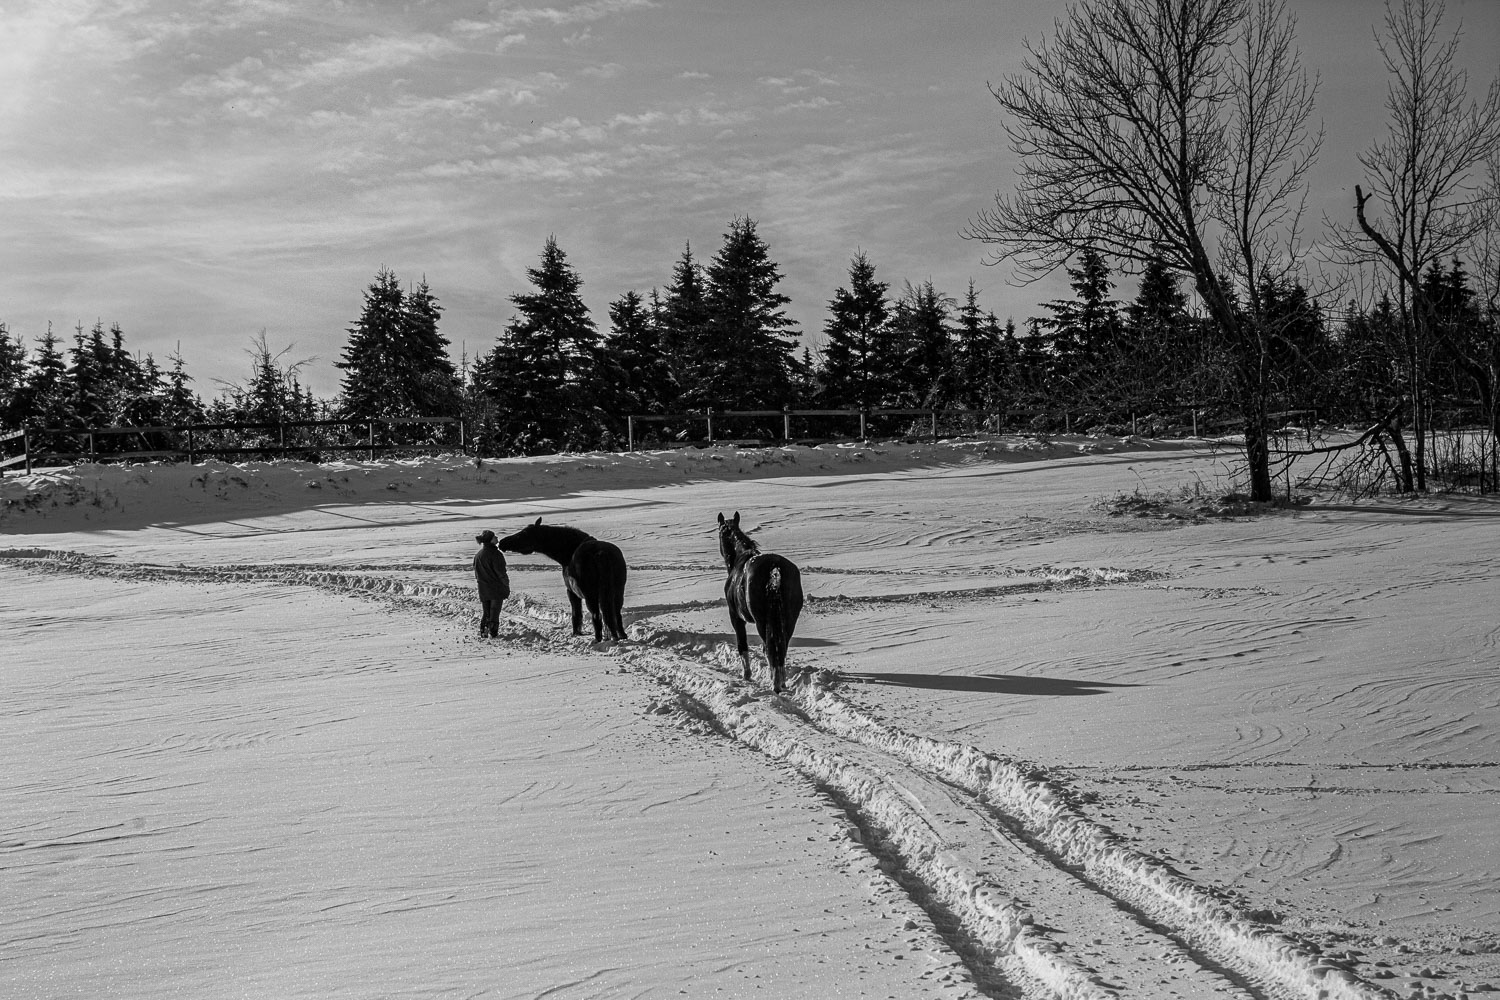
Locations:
(523, 541)
(733, 542)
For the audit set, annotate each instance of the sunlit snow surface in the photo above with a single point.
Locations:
(249, 747)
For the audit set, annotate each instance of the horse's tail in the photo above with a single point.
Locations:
(612, 597)
(776, 636)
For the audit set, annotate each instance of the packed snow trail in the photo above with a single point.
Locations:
(1039, 899)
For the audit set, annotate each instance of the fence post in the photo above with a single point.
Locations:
(630, 433)
(91, 445)
(934, 426)
(371, 439)
(463, 442)
(710, 415)
(786, 424)
(281, 436)
(862, 413)
(26, 447)
(190, 444)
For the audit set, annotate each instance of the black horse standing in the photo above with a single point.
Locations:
(763, 588)
(593, 571)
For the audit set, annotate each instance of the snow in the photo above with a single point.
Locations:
(1039, 749)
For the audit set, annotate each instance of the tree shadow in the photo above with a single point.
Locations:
(988, 683)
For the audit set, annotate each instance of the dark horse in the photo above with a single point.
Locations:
(594, 572)
(763, 588)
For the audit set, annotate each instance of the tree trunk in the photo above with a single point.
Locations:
(1257, 447)
(1407, 484)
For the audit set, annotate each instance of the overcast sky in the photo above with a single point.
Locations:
(197, 171)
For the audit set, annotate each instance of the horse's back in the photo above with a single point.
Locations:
(599, 565)
(757, 587)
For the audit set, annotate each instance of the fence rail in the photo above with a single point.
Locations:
(54, 445)
(1005, 418)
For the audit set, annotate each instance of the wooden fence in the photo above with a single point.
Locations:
(935, 418)
(36, 446)
(312, 438)
(23, 459)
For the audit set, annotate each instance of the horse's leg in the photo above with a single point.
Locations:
(775, 655)
(617, 603)
(617, 606)
(743, 643)
(577, 603)
(593, 602)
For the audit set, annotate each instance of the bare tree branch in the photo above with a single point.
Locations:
(1174, 130)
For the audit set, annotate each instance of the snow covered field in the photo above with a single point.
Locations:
(1052, 740)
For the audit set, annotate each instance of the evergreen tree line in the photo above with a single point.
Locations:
(717, 335)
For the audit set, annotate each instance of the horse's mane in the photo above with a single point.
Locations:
(561, 532)
(743, 543)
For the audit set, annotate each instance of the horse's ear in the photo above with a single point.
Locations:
(721, 517)
(537, 521)
(736, 519)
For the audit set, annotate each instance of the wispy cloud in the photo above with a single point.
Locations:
(373, 54)
(507, 19)
(818, 103)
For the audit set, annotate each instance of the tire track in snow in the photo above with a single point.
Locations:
(1115, 922)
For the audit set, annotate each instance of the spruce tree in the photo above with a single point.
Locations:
(920, 322)
(684, 321)
(12, 379)
(748, 360)
(1157, 351)
(430, 381)
(859, 367)
(978, 348)
(86, 374)
(45, 396)
(538, 372)
(1081, 333)
(372, 384)
(634, 347)
(180, 405)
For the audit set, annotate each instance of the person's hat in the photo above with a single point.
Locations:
(485, 537)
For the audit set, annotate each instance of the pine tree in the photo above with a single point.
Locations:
(748, 360)
(432, 387)
(45, 396)
(684, 321)
(12, 379)
(180, 405)
(859, 366)
(1300, 351)
(539, 370)
(634, 346)
(1081, 332)
(925, 344)
(86, 374)
(806, 379)
(1156, 354)
(396, 361)
(140, 399)
(978, 348)
(1002, 382)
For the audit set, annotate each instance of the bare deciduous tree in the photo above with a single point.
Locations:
(1168, 129)
(1425, 202)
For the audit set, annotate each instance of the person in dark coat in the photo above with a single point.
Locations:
(494, 583)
